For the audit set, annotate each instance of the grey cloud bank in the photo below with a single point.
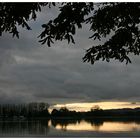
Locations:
(31, 72)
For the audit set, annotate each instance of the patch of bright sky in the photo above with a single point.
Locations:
(102, 105)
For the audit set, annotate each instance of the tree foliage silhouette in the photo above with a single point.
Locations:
(120, 21)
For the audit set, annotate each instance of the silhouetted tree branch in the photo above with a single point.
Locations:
(118, 20)
(13, 15)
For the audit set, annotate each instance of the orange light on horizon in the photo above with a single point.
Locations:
(102, 105)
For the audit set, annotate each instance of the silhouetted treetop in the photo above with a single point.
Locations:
(119, 21)
(14, 14)
(63, 27)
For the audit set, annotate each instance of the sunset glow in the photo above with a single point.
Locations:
(102, 105)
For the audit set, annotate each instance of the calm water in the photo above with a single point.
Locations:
(69, 128)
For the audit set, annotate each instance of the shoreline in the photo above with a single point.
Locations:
(101, 118)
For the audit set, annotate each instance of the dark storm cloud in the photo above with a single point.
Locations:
(31, 72)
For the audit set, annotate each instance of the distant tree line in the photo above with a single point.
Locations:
(96, 112)
(24, 110)
(40, 110)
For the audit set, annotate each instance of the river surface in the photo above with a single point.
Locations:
(69, 128)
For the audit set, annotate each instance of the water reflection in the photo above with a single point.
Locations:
(24, 128)
(61, 127)
(63, 124)
(97, 125)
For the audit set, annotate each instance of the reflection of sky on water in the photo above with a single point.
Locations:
(69, 128)
(105, 127)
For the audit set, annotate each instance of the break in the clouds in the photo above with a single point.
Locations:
(30, 72)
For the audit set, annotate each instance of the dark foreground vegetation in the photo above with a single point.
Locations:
(115, 25)
(40, 110)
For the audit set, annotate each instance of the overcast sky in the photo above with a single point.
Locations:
(31, 72)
